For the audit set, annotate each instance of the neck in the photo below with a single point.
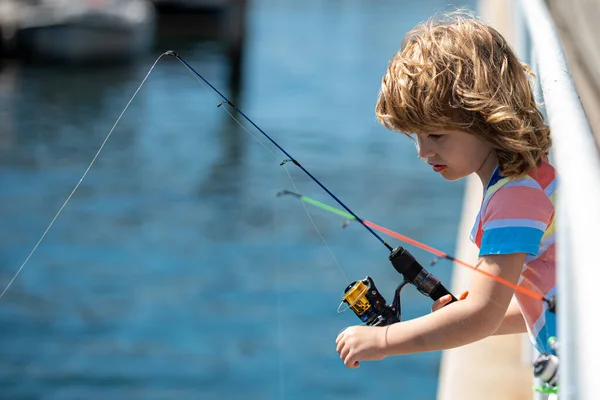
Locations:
(487, 168)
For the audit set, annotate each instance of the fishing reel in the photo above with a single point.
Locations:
(368, 304)
(546, 368)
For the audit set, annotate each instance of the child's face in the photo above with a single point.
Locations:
(453, 154)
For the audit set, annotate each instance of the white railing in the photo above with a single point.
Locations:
(575, 155)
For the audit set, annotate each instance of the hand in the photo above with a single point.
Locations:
(444, 300)
(358, 343)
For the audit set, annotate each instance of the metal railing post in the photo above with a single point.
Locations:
(577, 209)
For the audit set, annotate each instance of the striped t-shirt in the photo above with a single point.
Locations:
(517, 216)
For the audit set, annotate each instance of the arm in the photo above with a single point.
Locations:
(463, 322)
(513, 321)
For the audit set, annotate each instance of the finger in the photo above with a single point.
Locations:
(348, 363)
(441, 302)
(344, 354)
(339, 337)
(351, 362)
(339, 347)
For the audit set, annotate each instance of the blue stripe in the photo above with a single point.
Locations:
(545, 333)
(496, 176)
(515, 222)
(511, 240)
(551, 188)
(475, 229)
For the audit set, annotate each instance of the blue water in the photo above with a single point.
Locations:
(175, 271)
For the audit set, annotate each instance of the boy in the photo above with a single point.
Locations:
(458, 89)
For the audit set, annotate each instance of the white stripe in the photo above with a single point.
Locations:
(539, 324)
(516, 223)
(527, 182)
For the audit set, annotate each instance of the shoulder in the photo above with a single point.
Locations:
(515, 216)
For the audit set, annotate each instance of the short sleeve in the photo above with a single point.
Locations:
(515, 220)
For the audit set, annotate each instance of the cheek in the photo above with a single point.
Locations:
(461, 159)
(470, 156)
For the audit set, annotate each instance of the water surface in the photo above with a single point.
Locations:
(175, 271)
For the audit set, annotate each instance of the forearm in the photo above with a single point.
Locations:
(462, 322)
(455, 325)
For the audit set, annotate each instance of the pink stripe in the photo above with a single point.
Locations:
(539, 276)
(535, 205)
(541, 271)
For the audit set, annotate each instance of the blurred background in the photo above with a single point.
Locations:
(175, 271)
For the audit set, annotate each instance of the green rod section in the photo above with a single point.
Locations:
(327, 207)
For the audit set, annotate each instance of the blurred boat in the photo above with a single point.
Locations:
(85, 30)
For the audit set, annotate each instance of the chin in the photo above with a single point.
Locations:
(452, 176)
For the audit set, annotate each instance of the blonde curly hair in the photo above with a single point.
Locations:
(456, 73)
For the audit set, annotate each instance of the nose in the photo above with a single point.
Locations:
(424, 149)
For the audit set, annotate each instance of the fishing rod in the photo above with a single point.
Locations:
(362, 296)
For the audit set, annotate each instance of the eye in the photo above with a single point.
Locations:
(434, 136)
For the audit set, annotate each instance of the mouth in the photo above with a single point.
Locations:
(438, 167)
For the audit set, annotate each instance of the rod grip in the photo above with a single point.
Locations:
(409, 267)
(440, 291)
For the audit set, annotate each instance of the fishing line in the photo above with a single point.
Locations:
(80, 180)
(279, 308)
(204, 82)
